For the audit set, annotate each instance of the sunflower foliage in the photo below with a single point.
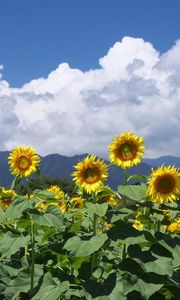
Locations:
(97, 244)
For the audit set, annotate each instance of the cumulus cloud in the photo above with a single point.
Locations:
(72, 112)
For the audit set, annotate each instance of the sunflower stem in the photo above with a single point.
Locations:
(28, 188)
(95, 233)
(123, 251)
(125, 202)
(158, 226)
(32, 254)
(125, 176)
(125, 183)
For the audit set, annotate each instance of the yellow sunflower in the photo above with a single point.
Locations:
(138, 225)
(77, 202)
(112, 200)
(90, 174)
(126, 150)
(62, 206)
(175, 226)
(42, 206)
(164, 184)
(6, 197)
(58, 193)
(23, 161)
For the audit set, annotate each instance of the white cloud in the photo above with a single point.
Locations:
(71, 112)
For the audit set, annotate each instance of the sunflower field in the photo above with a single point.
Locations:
(99, 244)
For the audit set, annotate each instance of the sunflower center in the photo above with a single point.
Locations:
(91, 175)
(127, 151)
(165, 184)
(23, 162)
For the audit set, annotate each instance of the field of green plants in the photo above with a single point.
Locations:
(97, 244)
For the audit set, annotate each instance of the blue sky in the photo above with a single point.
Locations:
(76, 73)
(37, 35)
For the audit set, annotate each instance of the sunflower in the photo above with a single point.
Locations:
(175, 226)
(58, 193)
(23, 161)
(90, 174)
(138, 225)
(104, 226)
(112, 200)
(6, 197)
(8, 193)
(42, 206)
(164, 184)
(126, 150)
(106, 194)
(77, 202)
(61, 205)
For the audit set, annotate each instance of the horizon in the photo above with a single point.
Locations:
(101, 156)
(83, 72)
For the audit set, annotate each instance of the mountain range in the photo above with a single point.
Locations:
(56, 165)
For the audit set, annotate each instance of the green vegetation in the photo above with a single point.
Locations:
(44, 182)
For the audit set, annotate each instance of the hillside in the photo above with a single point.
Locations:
(166, 160)
(56, 165)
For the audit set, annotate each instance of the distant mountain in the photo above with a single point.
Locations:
(166, 160)
(56, 165)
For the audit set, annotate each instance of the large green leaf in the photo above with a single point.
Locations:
(79, 247)
(144, 288)
(17, 207)
(125, 232)
(161, 266)
(2, 215)
(22, 282)
(15, 182)
(136, 177)
(133, 192)
(77, 261)
(172, 244)
(131, 265)
(114, 287)
(43, 194)
(97, 208)
(115, 215)
(100, 291)
(6, 270)
(51, 218)
(50, 290)
(10, 244)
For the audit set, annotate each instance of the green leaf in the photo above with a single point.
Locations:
(125, 232)
(130, 265)
(22, 282)
(6, 270)
(51, 218)
(96, 208)
(136, 177)
(144, 288)
(2, 215)
(161, 266)
(43, 194)
(79, 247)
(17, 207)
(133, 192)
(15, 182)
(77, 261)
(114, 215)
(50, 290)
(10, 244)
(172, 244)
(100, 291)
